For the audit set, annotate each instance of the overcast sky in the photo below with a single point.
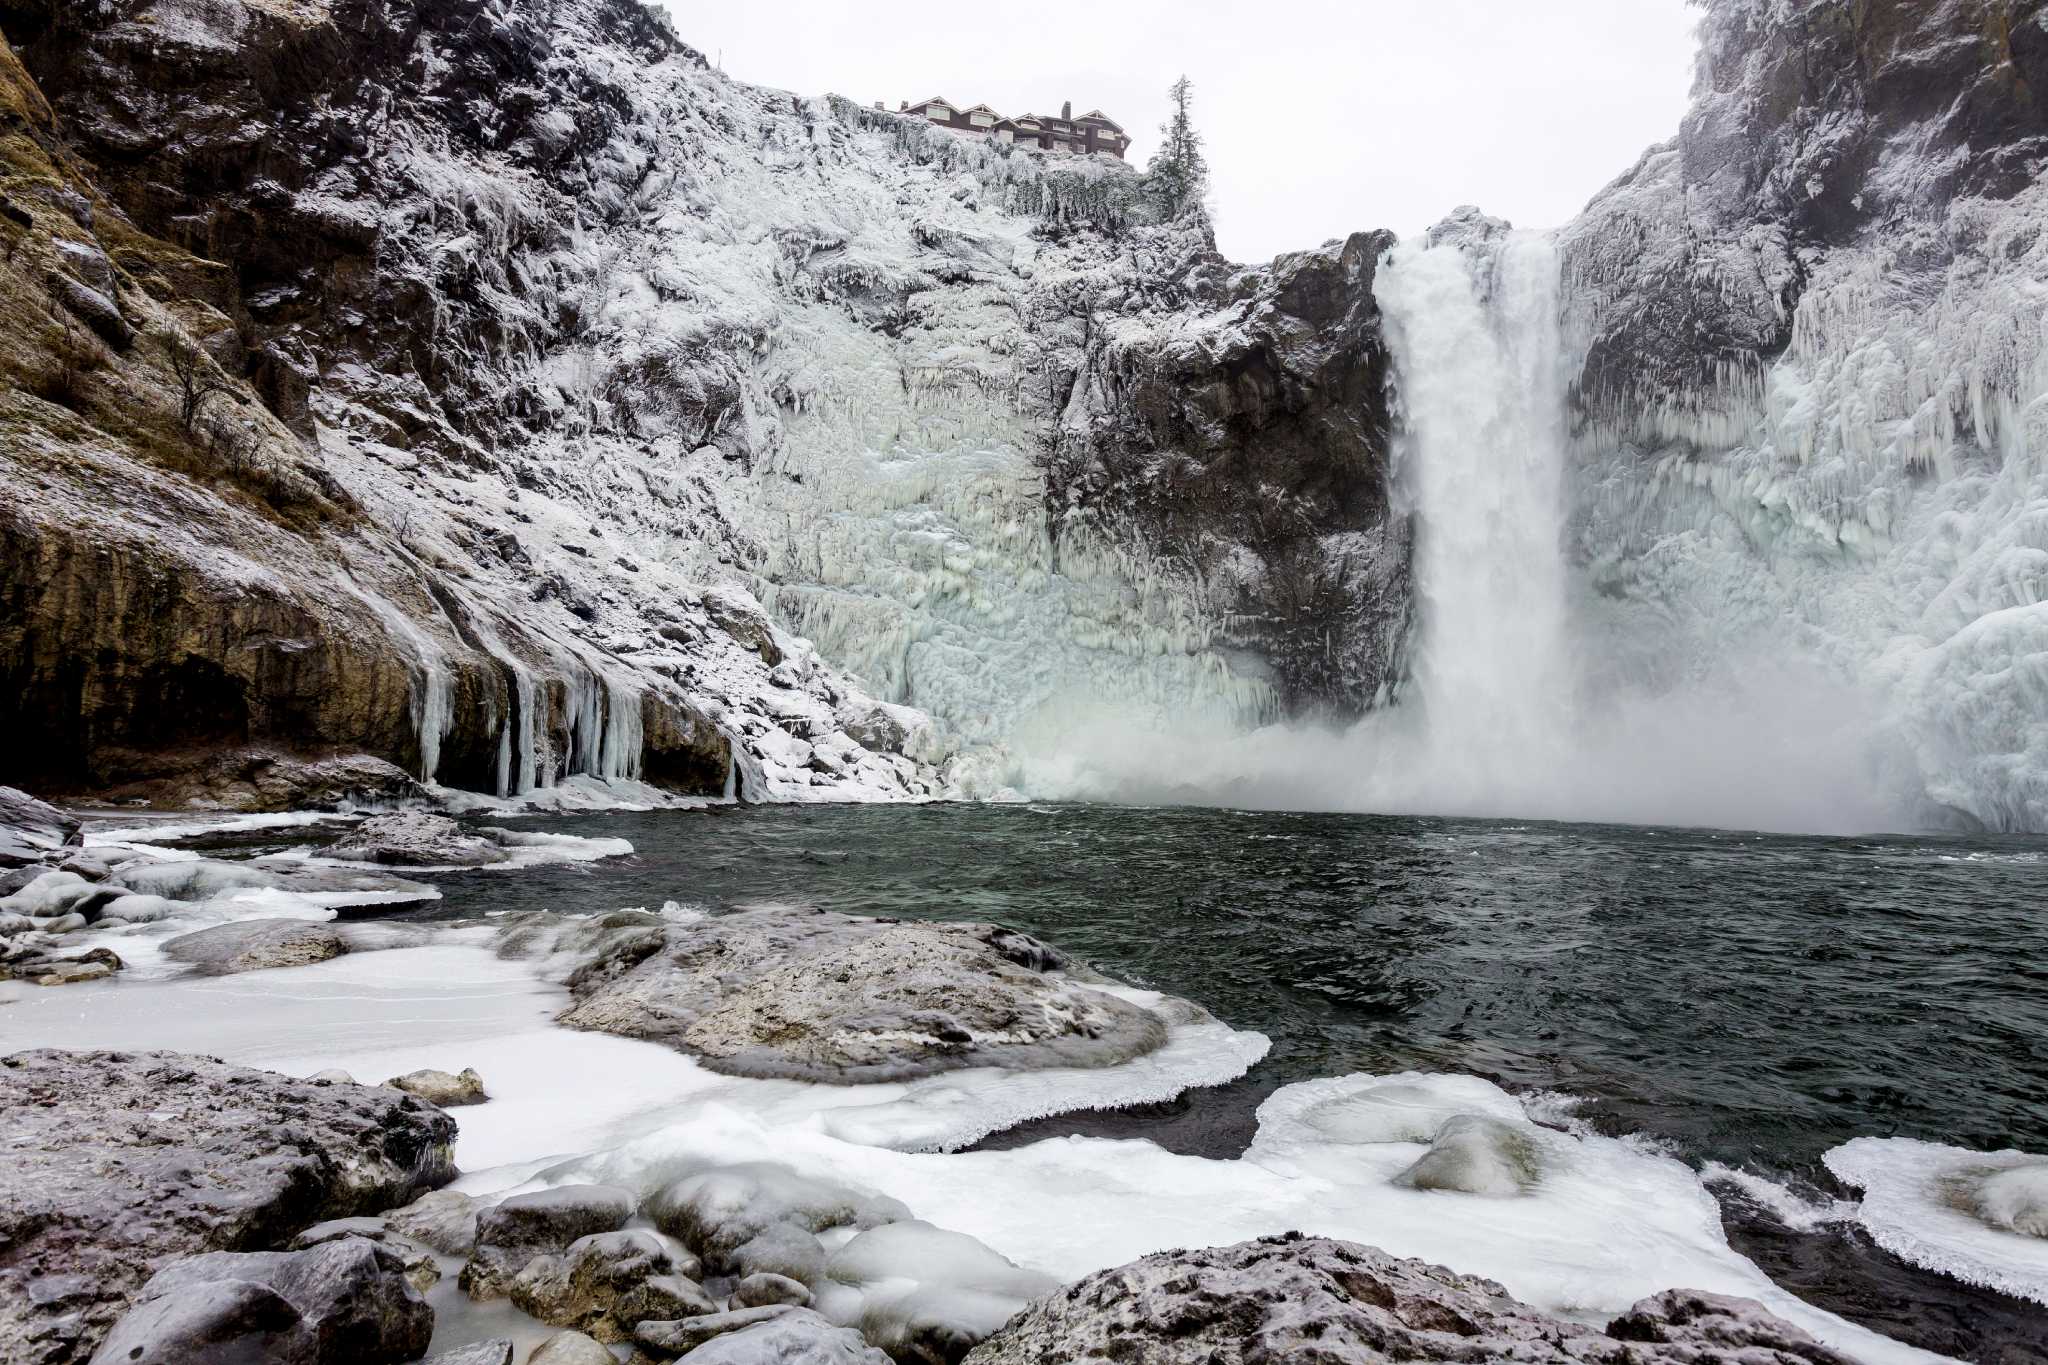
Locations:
(1322, 116)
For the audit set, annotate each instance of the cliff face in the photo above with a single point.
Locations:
(1247, 441)
(1816, 125)
(531, 357)
(1810, 397)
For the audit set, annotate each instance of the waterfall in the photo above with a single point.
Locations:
(1529, 695)
(1475, 339)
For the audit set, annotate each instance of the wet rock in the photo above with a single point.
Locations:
(1242, 446)
(441, 1088)
(762, 1288)
(343, 1303)
(118, 1162)
(31, 957)
(1302, 1298)
(687, 1334)
(260, 944)
(442, 1219)
(608, 1281)
(333, 1075)
(32, 831)
(762, 1218)
(422, 1270)
(513, 1232)
(570, 1348)
(828, 997)
(497, 1351)
(96, 965)
(417, 839)
(795, 1337)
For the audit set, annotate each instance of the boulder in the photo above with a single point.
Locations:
(1292, 1298)
(442, 1219)
(682, 1336)
(497, 1351)
(32, 831)
(1476, 1154)
(55, 894)
(440, 1088)
(422, 1268)
(738, 614)
(795, 1336)
(511, 1233)
(571, 1348)
(416, 839)
(606, 1282)
(763, 1288)
(828, 997)
(346, 1302)
(258, 945)
(44, 968)
(118, 1163)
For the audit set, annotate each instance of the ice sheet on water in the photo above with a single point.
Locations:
(1981, 1217)
(579, 793)
(1609, 1221)
(97, 835)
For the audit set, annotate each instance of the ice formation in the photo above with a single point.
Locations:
(1979, 1216)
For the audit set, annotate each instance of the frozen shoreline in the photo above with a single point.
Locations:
(1610, 1222)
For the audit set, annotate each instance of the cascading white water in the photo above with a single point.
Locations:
(1521, 700)
(1474, 335)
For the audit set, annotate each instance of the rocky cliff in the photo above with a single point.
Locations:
(502, 395)
(1809, 387)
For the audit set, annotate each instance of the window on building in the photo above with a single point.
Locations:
(983, 120)
(938, 113)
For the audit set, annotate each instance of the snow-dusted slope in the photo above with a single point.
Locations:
(653, 413)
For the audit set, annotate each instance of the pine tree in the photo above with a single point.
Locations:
(1178, 169)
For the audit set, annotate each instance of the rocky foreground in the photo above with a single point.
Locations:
(160, 1209)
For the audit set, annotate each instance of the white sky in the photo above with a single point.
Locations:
(1322, 116)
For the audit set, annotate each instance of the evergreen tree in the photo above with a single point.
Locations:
(1178, 169)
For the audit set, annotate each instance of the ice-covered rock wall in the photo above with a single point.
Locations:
(1813, 341)
(655, 426)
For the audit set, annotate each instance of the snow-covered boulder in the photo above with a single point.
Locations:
(837, 998)
(1294, 1298)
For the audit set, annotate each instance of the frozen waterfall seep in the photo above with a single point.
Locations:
(911, 544)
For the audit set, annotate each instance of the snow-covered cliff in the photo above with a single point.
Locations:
(1813, 341)
(590, 412)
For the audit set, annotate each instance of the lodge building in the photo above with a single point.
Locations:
(1094, 131)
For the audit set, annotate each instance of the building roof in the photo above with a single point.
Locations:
(1097, 116)
(981, 109)
(935, 99)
